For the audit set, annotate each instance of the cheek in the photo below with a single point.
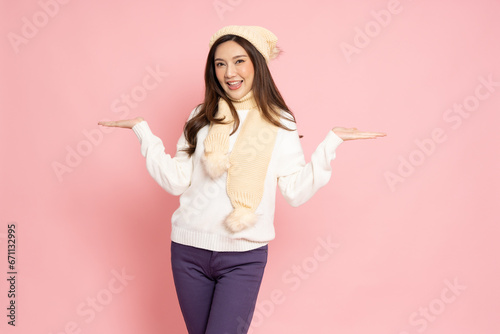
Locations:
(219, 75)
(248, 71)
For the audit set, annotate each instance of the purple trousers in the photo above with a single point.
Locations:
(217, 291)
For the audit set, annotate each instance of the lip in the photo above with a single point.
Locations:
(234, 87)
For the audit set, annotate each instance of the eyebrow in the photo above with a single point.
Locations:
(239, 56)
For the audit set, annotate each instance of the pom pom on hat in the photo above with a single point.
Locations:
(263, 40)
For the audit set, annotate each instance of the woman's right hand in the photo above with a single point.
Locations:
(125, 123)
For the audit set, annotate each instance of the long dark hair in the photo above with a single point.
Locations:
(266, 94)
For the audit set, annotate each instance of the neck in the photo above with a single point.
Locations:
(245, 103)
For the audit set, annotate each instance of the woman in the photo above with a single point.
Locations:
(237, 147)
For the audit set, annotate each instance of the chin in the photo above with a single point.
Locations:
(236, 95)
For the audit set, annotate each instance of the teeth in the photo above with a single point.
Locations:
(233, 83)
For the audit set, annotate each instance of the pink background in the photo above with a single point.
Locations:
(412, 214)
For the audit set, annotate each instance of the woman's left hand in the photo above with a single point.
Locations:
(354, 133)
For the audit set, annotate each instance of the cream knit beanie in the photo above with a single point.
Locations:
(261, 38)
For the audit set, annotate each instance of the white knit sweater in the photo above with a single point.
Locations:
(204, 203)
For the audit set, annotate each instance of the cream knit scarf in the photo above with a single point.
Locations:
(247, 163)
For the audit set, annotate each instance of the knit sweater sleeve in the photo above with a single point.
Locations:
(172, 173)
(298, 181)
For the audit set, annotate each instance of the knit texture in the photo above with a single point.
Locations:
(216, 158)
(263, 40)
(247, 164)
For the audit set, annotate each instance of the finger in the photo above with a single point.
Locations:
(367, 136)
(113, 123)
(378, 134)
(108, 123)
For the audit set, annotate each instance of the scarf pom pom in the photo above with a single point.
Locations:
(240, 219)
(216, 164)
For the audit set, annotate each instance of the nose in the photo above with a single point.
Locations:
(230, 71)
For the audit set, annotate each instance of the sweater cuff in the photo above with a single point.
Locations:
(142, 130)
(333, 141)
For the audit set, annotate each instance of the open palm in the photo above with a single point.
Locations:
(124, 123)
(354, 133)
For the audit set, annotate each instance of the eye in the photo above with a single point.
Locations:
(240, 60)
(219, 64)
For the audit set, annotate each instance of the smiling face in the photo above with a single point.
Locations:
(234, 69)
